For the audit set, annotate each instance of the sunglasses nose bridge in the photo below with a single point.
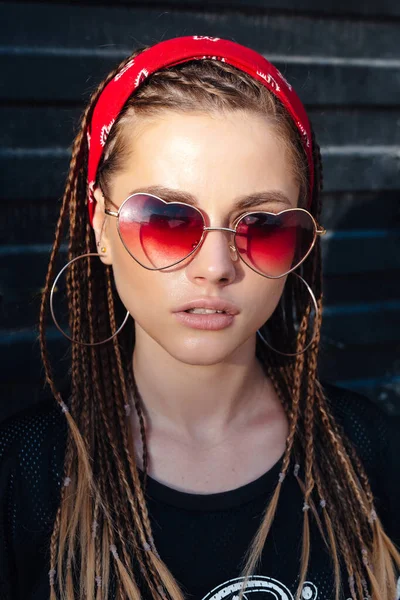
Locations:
(220, 229)
(231, 244)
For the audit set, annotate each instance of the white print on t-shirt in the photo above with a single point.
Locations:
(259, 588)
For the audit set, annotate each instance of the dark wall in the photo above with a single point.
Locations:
(344, 61)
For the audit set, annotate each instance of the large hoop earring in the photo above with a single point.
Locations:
(54, 317)
(316, 319)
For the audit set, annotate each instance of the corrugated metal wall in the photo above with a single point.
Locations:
(343, 59)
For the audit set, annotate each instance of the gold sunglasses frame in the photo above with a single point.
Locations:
(318, 230)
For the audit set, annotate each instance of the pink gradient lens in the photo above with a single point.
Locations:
(275, 244)
(159, 234)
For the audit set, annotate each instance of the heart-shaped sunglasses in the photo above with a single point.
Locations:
(159, 234)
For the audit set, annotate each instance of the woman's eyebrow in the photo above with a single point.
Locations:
(241, 203)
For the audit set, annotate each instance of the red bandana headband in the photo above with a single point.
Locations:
(173, 52)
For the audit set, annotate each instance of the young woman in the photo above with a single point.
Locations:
(195, 453)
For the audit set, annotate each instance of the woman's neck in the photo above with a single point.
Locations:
(209, 428)
(197, 401)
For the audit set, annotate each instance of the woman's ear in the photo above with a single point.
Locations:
(100, 221)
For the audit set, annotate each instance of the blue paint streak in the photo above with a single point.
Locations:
(367, 307)
(356, 383)
(21, 249)
(8, 338)
(361, 233)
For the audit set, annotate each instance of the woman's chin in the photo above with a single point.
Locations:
(203, 352)
(193, 346)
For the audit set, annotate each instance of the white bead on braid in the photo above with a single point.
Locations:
(94, 529)
(52, 573)
(351, 585)
(373, 516)
(113, 550)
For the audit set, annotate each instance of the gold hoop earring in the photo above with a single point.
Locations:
(54, 317)
(316, 319)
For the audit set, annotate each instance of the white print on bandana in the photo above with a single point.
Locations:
(284, 79)
(128, 65)
(269, 79)
(141, 76)
(105, 130)
(304, 133)
(260, 588)
(205, 37)
(221, 58)
(88, 139)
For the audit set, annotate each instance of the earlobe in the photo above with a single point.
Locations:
(99, 226)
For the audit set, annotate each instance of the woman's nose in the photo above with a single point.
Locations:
(215, 260)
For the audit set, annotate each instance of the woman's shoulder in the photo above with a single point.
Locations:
(31, 434)
(33, 416)
(32, 447)
(371, 429)
(348, 403)
(376, 437)
(363, 420)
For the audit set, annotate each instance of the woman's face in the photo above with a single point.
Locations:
(216, 159)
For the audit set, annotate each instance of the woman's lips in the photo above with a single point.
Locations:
(211, 322)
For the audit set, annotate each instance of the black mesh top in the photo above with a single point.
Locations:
(202, 538)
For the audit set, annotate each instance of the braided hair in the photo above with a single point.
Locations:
(102, 529)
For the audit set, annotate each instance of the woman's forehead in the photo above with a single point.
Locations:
(211, 157)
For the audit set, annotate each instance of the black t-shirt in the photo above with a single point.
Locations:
(201, 537)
